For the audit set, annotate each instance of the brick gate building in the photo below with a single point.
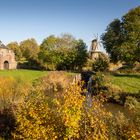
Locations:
(7, 58)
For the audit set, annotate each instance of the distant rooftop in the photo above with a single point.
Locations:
(2, 45)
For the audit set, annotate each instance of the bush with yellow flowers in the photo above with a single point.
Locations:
(12, 92)
(61, 114)
(54, 109)
(50, 116)
(94, 123)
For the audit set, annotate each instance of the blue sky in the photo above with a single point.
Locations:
(22, 19)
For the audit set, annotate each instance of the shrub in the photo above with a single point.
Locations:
(55, 109)
(50, 116)
(134, 106)
(129, 68)
(101, 63)
(88, 65)
(7, 123)
(94, 123)
(59, 113)
(114, 93)
(96, 84)
(137, 66)
(12, 91)
(54, 82)
(121, 127)
(32, 64)
(132, 103)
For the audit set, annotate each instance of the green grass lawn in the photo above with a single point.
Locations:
(28, 75)
(127, 82)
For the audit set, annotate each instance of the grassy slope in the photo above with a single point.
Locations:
(127, 82)
(28, 75)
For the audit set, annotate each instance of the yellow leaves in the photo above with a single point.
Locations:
(51, 116)
(94, 121)
(62, 115)
(12, 91)
(65, 115)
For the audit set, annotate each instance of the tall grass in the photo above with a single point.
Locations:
(12, 91)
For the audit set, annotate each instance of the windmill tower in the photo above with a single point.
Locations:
(94, 49)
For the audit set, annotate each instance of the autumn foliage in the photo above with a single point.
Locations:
(56, 109)
(57, 112)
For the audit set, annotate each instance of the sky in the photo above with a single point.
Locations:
(23, 19)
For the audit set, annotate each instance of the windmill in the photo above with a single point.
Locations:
(96, 44)
(94, 49)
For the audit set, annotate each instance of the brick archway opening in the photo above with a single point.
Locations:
(6, 65)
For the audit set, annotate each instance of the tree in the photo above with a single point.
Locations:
(49, 43)
(15, 47)
(67, 52)
(112, 39)
(122, 36)
(131, 33)
(81, 57)
(30, 49)
(47, 53)
(63, 53)
(101, 63)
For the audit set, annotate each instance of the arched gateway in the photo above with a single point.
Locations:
(6, 65)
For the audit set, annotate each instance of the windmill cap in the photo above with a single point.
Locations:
(94, 40)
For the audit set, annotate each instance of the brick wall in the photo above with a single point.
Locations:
(8, 57)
